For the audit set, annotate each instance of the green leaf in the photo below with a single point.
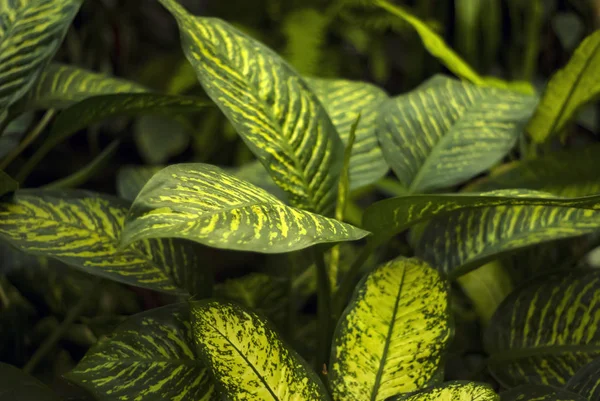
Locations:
(159, 138)
(30, 34)
(586, 381)
(547, 330)
(82, 229)
(270, 106)
(455, 390)
(7, 184)
(536, 392)
(446, 131)
(151, 357)
(256, 174)
(344, 100)
(131, 179)
(202, 203)
(60, 86)
(391, 338)
(568, 90)
(16, 385)
(248, 359)
(305, 30)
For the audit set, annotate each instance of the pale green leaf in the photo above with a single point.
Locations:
(537, 392)
(16, 385)
(7, 184)
(150, 357)
(202, 203)
(344, 100)
(391, 339)
(568, 90)
(546, 331)
(586, 381)
(456, 390)
(269, 104)
(248, 359)
(82, 229)
(446, 131)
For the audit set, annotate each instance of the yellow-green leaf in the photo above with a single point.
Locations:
(7, 184)
(269, 104)
(537, 392)
(30, 33)
(447, 131)
(248, 359)
(150, 357)
(456, 390)
(570, 88)
(586, 381)
(202, 203)
(344, 100)
(16, 385)
(391, 338)
(82, 229)
(305, 30)
(546, 331)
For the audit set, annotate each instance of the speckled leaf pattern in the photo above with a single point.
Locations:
(269, 104)
(586, 381)
(131, 179)
(343, 100)
(538, 392)
(7, 184)
(150, 357)
(82, 229)
(391, 338)
(448, 131)
(30, 33)
(248, 359)
(16, 385)
(202, 203)
(544, 332)
(570, 88)
(456, 390)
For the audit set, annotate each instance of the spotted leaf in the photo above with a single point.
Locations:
(248, 359)
(456, 390)
(391, 338)
(269, 104)
(202, 203)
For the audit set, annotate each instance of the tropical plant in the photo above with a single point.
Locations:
(484, 211)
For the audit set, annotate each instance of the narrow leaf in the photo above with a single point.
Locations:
(536, 392)
(151, 357)
(586, 381)
(446, 131)
(202, 203)
(16, 385)
(7, 184)
(546, 331)
(456, 390)
(391, 338)
(248, 359)
(568, 90)
(269, 104)
(82, 229)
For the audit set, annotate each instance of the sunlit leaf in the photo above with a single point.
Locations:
(586, 381)
(391, 339)
(255, 173)
(16, 385)
(456, 390)
(202, 203)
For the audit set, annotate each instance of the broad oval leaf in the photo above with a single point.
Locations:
(456, 390)
(586, 381)
(448, 131)
(7, 184)
(82, 229)
(344, 100)
(537, 392)
(570, 88)
(547, 330)
(269, 104)
(202, 203)
(248, 359)
(30, 33)
(391, 338)
(16, 385)
(150, 357)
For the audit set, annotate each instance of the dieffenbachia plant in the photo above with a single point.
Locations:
(384, 329)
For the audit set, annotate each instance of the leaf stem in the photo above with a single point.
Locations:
(324, 329)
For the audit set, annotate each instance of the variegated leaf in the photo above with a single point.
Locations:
(544, 332)
(248, 359)
(16, 385)
(269, 104)
(150, 357)
(82, 229)
(586, 382)
(344, 100)
(448, 131)
(538, 392)
(256, 174)
(391, 338)
(202, 203)
(7, 184)
(30, 33)
(456, 390)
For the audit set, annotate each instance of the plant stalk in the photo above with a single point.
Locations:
(324, 329)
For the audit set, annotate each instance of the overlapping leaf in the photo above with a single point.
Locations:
(546, 331)
(7, 184)
(456, 390)
(30, 34)
(270, 106)
(448, 131)
(586, 381)
(82, 229)
(570, 88)
(248, 359)
(202, 203)
(344, 100)
(150, 357)
(537, 392)
(16, 385)
(131, 180)
(391, 339)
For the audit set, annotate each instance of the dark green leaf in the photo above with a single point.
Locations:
(16, 385)
(131, 180)
(7, 184)
(537, 392)
(456, 390)
(586, 381)
(158, 138)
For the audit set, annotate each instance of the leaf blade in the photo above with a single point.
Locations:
(19, 386)
(466, 391)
